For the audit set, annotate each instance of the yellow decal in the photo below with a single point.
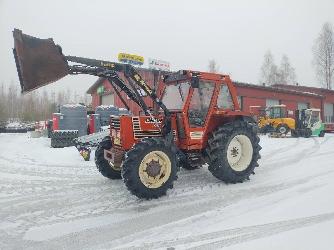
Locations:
(142, 83)
(117, 141)
(108, 65)
(129, 58)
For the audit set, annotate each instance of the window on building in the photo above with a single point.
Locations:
(303, 105)
(329, 112)
(272, 102)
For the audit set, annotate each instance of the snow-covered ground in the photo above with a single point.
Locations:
(53, 199)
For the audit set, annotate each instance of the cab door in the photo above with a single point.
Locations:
(197, 112)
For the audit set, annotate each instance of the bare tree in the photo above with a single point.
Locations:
(323, 55)
(287, 73)
(269, 71)
(3, 104)
(213, 66)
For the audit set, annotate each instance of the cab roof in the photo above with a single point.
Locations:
(186, 74)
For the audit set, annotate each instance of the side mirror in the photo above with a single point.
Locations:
(195, 82)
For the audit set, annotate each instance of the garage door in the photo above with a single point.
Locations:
(272, 102)
(108, 99)
(302, 105)
(329, 112)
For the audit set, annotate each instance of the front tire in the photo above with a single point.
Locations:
(233, 151)
(282, 129)
(307, 133)
(106, 168)
(150, 168)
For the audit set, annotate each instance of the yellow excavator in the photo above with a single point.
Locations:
(275, 119)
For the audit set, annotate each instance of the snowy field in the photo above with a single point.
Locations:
(53, 199)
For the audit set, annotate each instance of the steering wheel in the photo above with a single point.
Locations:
(196, 117)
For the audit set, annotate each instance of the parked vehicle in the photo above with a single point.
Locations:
(199, 120)
(275, 119)
(308, 123)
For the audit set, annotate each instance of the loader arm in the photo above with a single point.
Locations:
(109, 70)
(40, 62)
(129, 72)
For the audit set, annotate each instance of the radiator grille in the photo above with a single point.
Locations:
(115, 122)
(139, 133)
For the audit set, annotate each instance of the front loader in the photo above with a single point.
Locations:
(275, 120)
(197, 120)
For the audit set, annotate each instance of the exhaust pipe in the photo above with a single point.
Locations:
(38, 61)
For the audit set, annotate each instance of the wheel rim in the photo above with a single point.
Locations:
(240, 152)
(113, 166)
(282, 130)
(155, 169)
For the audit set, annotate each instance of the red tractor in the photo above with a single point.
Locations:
(197, 120)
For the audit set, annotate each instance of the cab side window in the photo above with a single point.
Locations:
(200, 103)
(225, 99)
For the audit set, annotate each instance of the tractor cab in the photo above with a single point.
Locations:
(276, 111)
(196, 99)
(312, 117)
(313, 121)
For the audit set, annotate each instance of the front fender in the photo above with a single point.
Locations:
(106, 143)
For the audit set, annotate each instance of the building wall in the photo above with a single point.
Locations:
(327, 105)
(258, 97)
(250, 95)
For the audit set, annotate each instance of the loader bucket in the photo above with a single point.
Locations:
(38, 61)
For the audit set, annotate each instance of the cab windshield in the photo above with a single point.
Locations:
(175, 95)
(276, 112)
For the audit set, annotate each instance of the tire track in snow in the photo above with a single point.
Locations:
(149, 214)
(298, 157)
(100, 198)
(281, 150)
(228, 237)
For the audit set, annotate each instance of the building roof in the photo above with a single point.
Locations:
(303, 88)
(277, 89)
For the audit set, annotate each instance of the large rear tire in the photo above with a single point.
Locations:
(106, 168)
(150, 168)
(233, 151)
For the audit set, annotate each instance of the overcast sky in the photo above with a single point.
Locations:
(186, 33)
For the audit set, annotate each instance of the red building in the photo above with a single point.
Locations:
(294, 97)
(327, 104)
(264, 96)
